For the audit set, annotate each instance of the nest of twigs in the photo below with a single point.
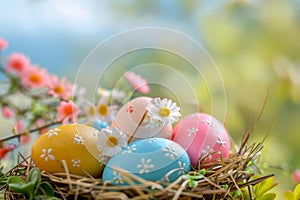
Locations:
(217, 182)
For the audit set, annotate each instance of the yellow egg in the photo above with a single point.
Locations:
(74, 143)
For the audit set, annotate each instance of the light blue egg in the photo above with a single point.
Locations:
(153, 159)
(100, 125)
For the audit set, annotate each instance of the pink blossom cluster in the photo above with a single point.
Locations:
(52, 97)
(35, 78)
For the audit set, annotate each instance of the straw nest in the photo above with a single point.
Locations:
(218, 182)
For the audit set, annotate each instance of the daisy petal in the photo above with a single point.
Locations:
(163, 110)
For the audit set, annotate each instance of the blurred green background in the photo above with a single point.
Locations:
(255, 45)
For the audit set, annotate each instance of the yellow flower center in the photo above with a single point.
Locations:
(164, 112)
(35, 78)
(103, 109)
(101, 90)
(111, 141)
(92, 110)
(59, 90)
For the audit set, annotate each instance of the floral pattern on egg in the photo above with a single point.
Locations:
(53, 132)
(46, 153)
(157, 160)
(132, 119)
(201, 134)
(72, 143)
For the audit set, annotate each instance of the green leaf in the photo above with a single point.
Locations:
(289, 195)
(15, 180)
(34, 176)
(53, 198)
(202, 171)
(38, 109)
(225, 187)
(246, 196)
(297, 192)
(45, 189)
(236, 194)
(15, 82)
(269, 196)
(193, 183)
(196, 177)
(26, 188)
(245, 193)
(263, 187)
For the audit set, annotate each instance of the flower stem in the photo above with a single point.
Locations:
(29, 131)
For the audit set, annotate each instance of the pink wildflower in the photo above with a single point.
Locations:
(19, 126)
(138, 82)
(25, 139)
(3, 44)
(34, 77)
(296, 176)
(8, 113)
(39, 123)
(66, 111)
(60, 89)
(5, 149)
(17, 63)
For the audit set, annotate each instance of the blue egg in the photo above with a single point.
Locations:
(100, 125)
(153, 159)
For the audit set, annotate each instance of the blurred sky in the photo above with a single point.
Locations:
(58, 34)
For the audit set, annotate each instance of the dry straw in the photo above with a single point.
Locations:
(228, 175)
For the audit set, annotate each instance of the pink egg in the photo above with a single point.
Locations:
(199, 134)
(132, 119)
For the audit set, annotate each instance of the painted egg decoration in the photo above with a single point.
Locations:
(153, 159)
(99, 125)
(73, 143)
(132, 120)
(201, 134)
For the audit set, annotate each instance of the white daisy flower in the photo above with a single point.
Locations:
(110, 141)
(164, 111)
(104, 112)
(103, 92)
(89, 110)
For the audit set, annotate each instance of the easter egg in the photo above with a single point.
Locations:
(73, 143)
(201, 134)
(153, 159)
(132, 120)
(99, 125)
